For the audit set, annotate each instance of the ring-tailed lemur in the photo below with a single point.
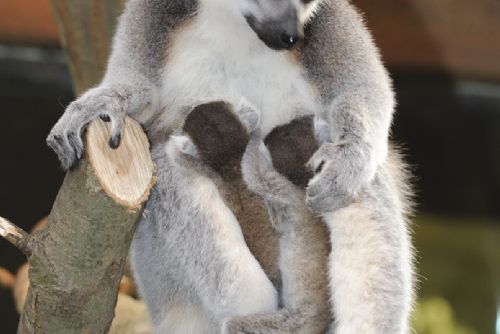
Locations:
(284, 57)
(214, 149)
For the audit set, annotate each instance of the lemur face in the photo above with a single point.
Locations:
(278, 23)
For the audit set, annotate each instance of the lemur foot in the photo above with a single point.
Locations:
(66, 137)
(341, 171)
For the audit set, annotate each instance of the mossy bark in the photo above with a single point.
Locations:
(78, 259)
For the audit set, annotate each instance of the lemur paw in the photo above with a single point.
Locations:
(185, 145)
(248, 115)
(66, 136)
(256, 161)
(256, 164)
(341, 171)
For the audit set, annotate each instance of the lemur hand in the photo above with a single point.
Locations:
(248, 115)
(256, 161)
(66, 136)
(341, 171)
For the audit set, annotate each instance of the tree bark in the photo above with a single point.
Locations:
(77, 260)
(86, 28)
(15, 236)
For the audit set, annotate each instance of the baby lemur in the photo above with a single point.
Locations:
(214, 145)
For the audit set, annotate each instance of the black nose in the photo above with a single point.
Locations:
(289, 40)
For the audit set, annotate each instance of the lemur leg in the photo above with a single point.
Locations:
(191, 245)
(370, 262)
(186, 319)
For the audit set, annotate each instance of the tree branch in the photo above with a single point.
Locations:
(15, 236)
(78, 258)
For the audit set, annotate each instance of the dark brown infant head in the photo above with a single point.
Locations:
(291, 146)
(218, 134)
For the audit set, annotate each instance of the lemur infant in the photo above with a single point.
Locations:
(221, 139)
(303, 240)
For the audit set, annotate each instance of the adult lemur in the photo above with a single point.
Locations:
(285, 57)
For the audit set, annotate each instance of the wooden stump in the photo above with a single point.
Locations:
(77, 260)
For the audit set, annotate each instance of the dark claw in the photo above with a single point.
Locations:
(58, 139)
(114, 142)
(75, 144)
(78, 153)
(105, 118)
(320, 167)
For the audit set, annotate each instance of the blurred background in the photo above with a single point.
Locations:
(444, 57)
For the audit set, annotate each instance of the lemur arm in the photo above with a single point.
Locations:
(284, 200)
(344, 64)
(139, 48)
(261, 177)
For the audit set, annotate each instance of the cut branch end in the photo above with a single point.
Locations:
(126, 173)
(15, 236)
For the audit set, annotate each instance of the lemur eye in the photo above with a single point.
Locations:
(307, 1)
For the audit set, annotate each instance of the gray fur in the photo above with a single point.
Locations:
(375, 289)
(337, 68)
(359, 101)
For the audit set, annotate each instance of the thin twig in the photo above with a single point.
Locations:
(15, 236)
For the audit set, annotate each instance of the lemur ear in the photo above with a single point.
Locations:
(322, 131)
(186, 145)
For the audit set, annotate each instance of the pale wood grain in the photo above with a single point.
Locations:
(125, 173)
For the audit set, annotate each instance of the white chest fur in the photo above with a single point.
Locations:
(217, 56)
